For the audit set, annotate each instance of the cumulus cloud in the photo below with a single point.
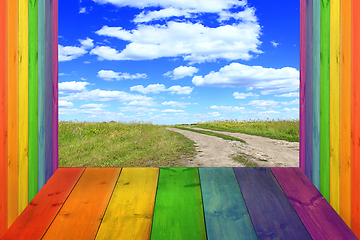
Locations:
(266, 80)
(175, 104)
(291, 109)
(238, 95)
(275, 44)
(65, 104)
(296, 101)
(172, 111)
(263, 104)
(110, 75)
(93, 105)
(157, 88)
(228, 108)
(142, 103)
(290, 94)
(72, 87)
(148, 16)
(69, 53)
(180, 90)
(82, 10)
(87, 43)
(181, 72)
(137, 109)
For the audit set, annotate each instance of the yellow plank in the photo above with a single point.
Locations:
(23, 104)
(335, 104)
(345, 113)
(130, 211)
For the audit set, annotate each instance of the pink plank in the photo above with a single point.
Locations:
(320, 219)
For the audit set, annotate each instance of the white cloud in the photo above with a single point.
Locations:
(269, 112)
(291, 109)
(296, 101)
(181, 72)
(180, 90)
(63, 74)
(215, 114)
(157, 88)
(247, 15)
(290, 94)
(266, 80)
(175, 104)
(263, 104)
(65, 104)
(147, 16)
(82, 10)
(137, 109)
(87, 43)
(93, 105)
(72, 87)
(142, 103)
(172, 111)
(275, 44)
(69, 53)
(228, 109)
(192, 41)
(245, 95)
(109, 75)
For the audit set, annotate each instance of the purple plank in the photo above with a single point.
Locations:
(302, 82)
(55, 86)
(272, 214)
(320, 219)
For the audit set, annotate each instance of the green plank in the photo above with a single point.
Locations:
(33, 98)
(325, 99)
(178, 210)
(226, 215)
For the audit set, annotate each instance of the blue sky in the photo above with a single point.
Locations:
(178, 61)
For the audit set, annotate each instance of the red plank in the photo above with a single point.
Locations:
(38, 215)
(320, 219)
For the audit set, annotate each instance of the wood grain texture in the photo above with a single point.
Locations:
(3, 119)
(325, 100)
(38, 215)
(270, 210)
(131, 208)
(84, 209)
(48, 89)
(320, 219)
(335, 104)
(33, 98)
(12, 100)
(316, 95)
(309, 89)
(55, 87)
(226, 215)
(345, 113)
(23, 104)
(178, 207)
(355, 162)
(41, 94)
(302, 83)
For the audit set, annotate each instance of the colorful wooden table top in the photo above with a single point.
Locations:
(179, 203)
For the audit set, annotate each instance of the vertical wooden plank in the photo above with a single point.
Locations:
(33, 98)
(270, 210)
(178, 207)
(355, 163)
(316, 95)
(320, 219)
(302, 83)
(3, 116)
(131, 208)
(84, 209)
(38, 215)
(345, 113)
(325, 99)
(23, 104)
(41, 94)
(309, 89)
(55, 87)
(48, 89)
(226, 215)
(12, 99)
(335, 104)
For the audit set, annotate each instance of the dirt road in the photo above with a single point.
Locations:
(217, 152)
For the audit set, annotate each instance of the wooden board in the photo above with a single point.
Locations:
(270, 210)
(226, 215)
(335, 104)
(325, 99)
(3, 120)
(33, 99)
(38, 215)
(48, 89)
(302, 84)
(12, 100)
(41, 94)
(309, 89)
(83, 211)
(345, 113)
(178, 207)
(23, 104)
(316, 95)
(355, 163)
(130, 211)
(55, 87)
(320, 219)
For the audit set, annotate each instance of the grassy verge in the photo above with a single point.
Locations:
(244, 159)
(280, 129)
(226, 137)
(112, 144)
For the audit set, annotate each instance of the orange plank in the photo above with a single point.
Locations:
(3, 122)
(12, 100)
(81, 215)
(38, 215)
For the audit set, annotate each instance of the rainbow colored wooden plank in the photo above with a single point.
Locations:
(55, 86)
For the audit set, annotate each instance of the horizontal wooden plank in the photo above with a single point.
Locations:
(270, 210)
(38, 215)
(81, 215)
(320, 219)
(226, 215)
